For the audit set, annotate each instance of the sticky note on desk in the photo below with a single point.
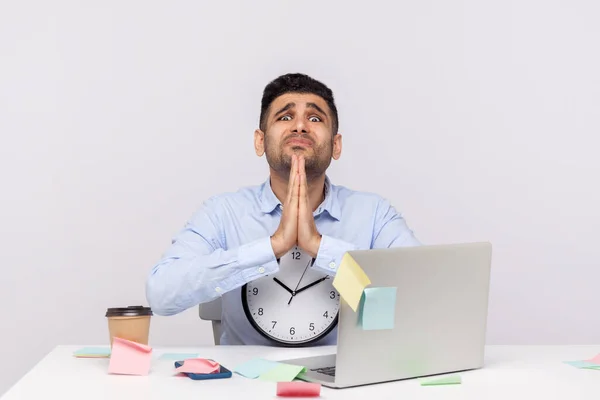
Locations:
(298, 389)
(584, 364)
(92, 352)
(282, 373)
(446, 380)
(129, 358)
(595, 360)
(254, 368)
(350, 281)
(199, 366)
(378, 308)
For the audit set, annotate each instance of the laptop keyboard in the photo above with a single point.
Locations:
(326, 371)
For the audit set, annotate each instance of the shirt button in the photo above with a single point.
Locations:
(218, 289)
(261, 270)
(332, 265)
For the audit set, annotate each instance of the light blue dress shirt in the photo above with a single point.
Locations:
(227, 243)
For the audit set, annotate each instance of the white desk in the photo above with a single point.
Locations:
(511, 372)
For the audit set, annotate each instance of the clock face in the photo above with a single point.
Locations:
(295, 306)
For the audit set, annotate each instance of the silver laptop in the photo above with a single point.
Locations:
(440, 317)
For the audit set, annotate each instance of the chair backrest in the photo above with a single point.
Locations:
(211, 311)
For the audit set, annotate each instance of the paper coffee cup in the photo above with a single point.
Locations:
(131, 323)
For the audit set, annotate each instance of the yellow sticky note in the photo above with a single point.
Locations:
(350, 281)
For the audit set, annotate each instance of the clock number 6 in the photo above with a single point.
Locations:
(292, 331)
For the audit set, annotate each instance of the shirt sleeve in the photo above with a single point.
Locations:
(196, 268)
(390, 230)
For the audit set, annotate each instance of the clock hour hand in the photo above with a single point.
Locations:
(283, 286)
(310, 285)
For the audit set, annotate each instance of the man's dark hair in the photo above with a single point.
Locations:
(296, 83)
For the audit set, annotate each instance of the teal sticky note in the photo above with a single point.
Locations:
(583, 364)
(378, 308)
(282, 373)
(178, 356)
(92, 352)
(254, 368)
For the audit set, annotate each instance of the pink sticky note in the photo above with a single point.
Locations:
(199, 366)
(298, 389)
(595, 360)
(129, 358)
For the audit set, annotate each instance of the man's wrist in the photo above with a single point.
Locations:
(277, 249)
(315, 247)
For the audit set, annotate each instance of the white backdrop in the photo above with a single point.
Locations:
(478, 120)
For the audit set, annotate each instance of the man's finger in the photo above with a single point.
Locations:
(296, 184)
(303, 184)
(292, 179)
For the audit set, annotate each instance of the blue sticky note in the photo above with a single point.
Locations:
(178, 356)
(378, 308)
(93, 351)
(583, 364)
(254, 368)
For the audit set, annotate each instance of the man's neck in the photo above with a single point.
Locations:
(316, 189)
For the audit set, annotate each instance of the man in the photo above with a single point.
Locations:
(235, 238)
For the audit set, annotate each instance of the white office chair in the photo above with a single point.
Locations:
(211, 311)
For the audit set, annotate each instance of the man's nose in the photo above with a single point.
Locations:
(299, 126)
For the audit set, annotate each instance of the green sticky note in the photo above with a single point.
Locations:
(583, 364)
(92, 352)
(282, 373)
(254, 368)
(378, 308)
(445, 380)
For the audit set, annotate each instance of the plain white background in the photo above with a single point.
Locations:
(478, 120)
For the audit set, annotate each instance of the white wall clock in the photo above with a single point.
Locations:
(294, 307)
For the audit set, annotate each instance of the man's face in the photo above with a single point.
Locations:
(301, 124)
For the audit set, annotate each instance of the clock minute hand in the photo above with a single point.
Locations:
(310, 285)
(283, 286)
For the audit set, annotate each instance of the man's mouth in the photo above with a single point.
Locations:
(299, 142)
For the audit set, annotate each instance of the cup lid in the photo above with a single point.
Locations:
(131, 311)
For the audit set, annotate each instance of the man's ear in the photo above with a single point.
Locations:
(337, 146)
(259, 142)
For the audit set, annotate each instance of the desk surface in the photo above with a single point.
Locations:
(509, 372)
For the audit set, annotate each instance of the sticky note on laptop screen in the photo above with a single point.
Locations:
(350, 281)
(378, 308)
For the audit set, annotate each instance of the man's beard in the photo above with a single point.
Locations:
(315, 165)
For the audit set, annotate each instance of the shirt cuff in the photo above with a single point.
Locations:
(330, 253)
(256, 260)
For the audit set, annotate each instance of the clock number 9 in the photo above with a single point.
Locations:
(292, 331)
(255, 291)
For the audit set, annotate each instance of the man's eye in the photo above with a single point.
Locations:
(315, 119)
(285, 118)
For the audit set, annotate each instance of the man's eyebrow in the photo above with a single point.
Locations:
(316, 107)
(285, 108)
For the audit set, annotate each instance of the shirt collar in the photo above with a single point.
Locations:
(269, 202)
